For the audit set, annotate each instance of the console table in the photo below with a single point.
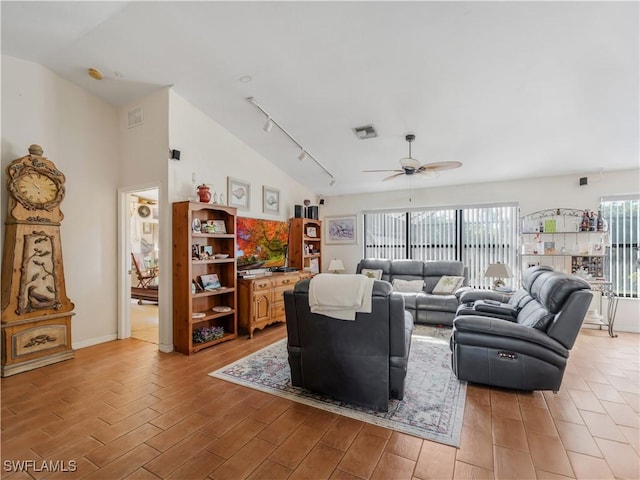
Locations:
(602, 289)
(261, 301)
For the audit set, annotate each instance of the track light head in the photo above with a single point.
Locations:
(302, 155)
(268, 125)
(332, 182)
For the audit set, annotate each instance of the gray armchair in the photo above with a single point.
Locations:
(528, 350)
(362, 361)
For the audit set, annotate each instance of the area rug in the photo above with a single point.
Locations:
(433, 404)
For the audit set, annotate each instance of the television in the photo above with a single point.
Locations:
(261, 243)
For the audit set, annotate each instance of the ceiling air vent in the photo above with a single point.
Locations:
(135, 117)
(365, 132)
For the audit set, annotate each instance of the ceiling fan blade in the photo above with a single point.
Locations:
(393, 176)
(439, 166)
(369, 171)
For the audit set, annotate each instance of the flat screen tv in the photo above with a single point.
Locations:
(261, 243)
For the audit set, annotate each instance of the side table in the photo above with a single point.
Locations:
(604, 289)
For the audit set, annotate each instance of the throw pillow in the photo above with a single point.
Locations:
(400, 285)
(371, 273)
(447, 285)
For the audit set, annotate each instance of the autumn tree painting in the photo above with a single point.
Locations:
(261, 243)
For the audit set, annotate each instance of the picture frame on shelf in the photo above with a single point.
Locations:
(195, 251)
(340, 230)
(314, 266)
(238, 193)
(146, 228)
(270, 200)
(311, 232)
(206, 252)
(219, 226)
(210, 282)
(196, 225)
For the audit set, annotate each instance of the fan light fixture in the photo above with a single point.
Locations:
(409, 162)
(411, 166)
(304, 153)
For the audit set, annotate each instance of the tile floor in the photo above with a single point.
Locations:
(144, 321)
(123, 410)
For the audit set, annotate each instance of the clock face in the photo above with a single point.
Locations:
(36, 190)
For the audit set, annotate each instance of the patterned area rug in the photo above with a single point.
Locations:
(433, 403)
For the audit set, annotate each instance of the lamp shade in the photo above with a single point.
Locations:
(498, 270)
(336, 266)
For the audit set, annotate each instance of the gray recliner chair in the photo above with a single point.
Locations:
(528, 351)
(362, 361)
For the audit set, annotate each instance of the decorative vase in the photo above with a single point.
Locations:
(204, 193)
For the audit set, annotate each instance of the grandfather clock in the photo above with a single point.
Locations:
(36, 313)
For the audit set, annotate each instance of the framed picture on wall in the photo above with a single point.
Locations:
(238, 193)
(340, 230)
(270, 200)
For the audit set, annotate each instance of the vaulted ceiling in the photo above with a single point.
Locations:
(510, 89)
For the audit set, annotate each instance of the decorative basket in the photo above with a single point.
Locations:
(207, 334)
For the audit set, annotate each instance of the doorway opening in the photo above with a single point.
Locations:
(144, 249)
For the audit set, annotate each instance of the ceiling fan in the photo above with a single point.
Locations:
(411, 166)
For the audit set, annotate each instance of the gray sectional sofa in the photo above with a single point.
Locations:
(425, 306)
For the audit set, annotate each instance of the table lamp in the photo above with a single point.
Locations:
(336, 266)
(498, 271)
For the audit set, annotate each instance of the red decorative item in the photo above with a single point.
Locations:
(204, 193)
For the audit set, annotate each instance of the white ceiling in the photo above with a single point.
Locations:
(510, 89)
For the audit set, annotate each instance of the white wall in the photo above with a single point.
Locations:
(78, 133)
(531, 195)
(213, 154)
(144, 162)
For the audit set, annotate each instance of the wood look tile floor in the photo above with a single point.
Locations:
(144, 321)
(123, 410)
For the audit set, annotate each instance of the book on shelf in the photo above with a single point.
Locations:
(210, 282)
(550, 225)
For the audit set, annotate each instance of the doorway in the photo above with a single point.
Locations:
(144, 241)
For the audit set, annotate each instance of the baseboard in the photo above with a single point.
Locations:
(94, 341)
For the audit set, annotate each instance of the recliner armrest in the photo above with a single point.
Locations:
(505, 328)
(469, 296)
(487, 306)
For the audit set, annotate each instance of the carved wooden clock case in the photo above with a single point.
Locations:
(36, 313)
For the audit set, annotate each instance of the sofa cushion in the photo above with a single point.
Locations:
(437, 303)
(376, 264)
(376, 274)
(400, 285)
(447, 285)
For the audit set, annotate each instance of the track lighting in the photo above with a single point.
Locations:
(304, 153)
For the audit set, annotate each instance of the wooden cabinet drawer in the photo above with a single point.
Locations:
(287, 280)
(262, 284)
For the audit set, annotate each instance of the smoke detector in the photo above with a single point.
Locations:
(367, 131)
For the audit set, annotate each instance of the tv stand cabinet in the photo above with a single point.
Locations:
(261, 300)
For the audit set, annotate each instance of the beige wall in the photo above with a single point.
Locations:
(78, 133)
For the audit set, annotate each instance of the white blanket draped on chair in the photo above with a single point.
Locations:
(340, 296)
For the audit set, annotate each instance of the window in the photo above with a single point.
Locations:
(475, 235)
(622, 215)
